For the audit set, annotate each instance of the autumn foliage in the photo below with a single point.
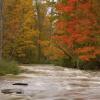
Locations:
(51, 31)
(77, 29)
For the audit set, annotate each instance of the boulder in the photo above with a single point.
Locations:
(10, 91)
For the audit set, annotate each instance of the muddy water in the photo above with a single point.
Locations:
(48, 82)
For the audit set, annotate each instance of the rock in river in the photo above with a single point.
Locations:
(23, 84)
(9, 91)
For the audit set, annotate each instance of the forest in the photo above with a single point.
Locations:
(60, 32)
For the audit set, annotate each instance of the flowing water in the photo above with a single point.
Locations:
(48, 82)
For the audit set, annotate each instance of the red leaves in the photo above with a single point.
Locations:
(68, 9)
(64, 40)
(78, 30)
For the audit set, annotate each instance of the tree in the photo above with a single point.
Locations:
(77, 31)
(44, 27)
(19, 31)
(1, 28)
(39, 25)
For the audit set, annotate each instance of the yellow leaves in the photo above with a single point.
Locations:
(44, 43)
(28, 35)
(19, 52)
(22, 48)
(21, 34)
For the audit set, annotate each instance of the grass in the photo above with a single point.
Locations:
(8, 67)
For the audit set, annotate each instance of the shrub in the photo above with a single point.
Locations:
(8, 67)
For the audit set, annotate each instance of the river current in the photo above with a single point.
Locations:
(49, 82)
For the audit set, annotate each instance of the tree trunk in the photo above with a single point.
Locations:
(39, 26)
(1, 28)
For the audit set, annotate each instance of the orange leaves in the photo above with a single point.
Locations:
(86, 53)
(59, 6)
(60, 24)
(63, 39)
(66, 8)
(84, 58)
(85, 49)
(79, 31)
(63, 8)
(87, 57)
(78, 38)
(85, 6)
(97, 51)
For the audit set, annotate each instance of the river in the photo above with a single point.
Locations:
(49, 82)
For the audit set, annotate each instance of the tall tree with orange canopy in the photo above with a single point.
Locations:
(77, 30)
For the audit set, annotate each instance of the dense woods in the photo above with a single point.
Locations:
(62, 32)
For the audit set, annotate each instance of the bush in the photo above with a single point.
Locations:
(8, 67)
(92, 65)
(83, 65)
(65, 62)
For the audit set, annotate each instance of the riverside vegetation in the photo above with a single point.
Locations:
(9, 67)
(60, 32)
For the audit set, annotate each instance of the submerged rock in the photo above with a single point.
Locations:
(10, 91)
(23, 84)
